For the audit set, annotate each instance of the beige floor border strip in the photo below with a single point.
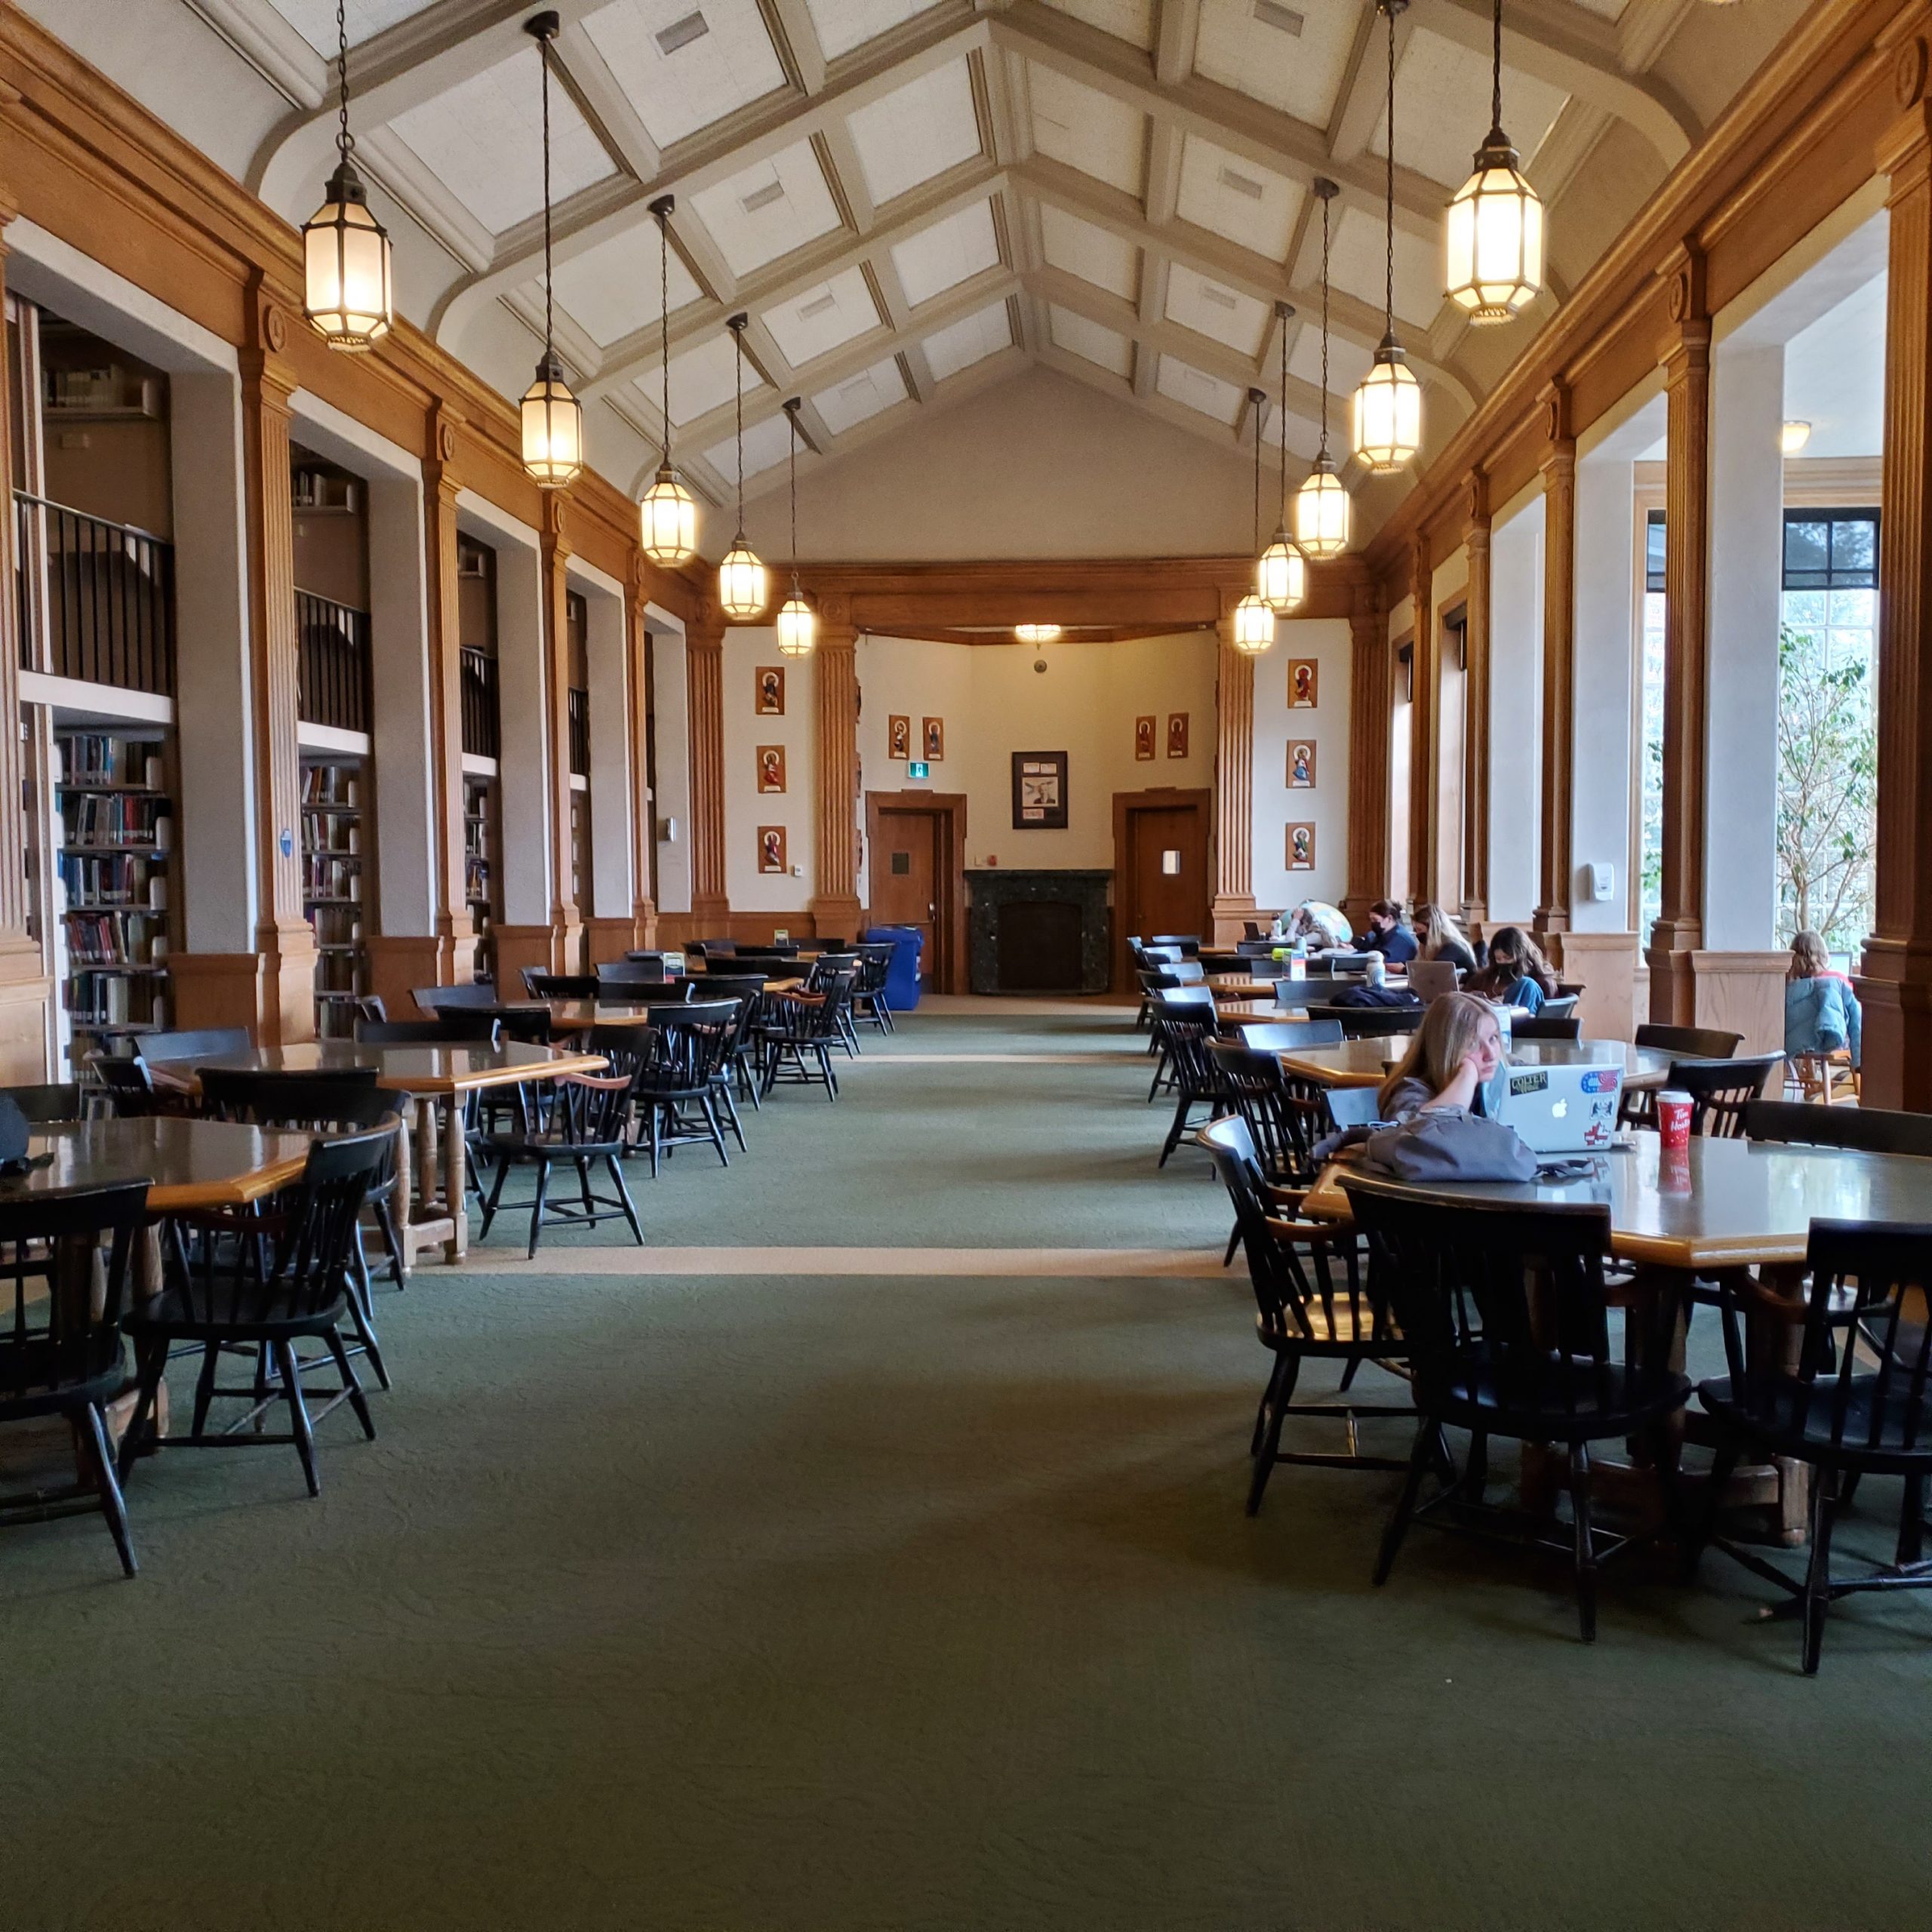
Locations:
(1089, 1262)
(1101, 1055)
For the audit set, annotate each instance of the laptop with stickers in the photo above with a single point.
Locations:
(1557, 1109)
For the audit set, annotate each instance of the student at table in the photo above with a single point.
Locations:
(1517, 975)
(1323, 928)
(1821, 1012)
(1389, 934)
(1439, 937)
(1450, 1056)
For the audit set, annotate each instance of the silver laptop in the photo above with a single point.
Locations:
(1428, 979)
(1558, 1110)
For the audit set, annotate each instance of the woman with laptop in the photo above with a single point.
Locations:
(1452, 1057)
(1441, 939)
(1517, 975)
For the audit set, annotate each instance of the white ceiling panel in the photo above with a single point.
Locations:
(1182, 382)
(833, 312)
(1304, 439)
(1076, 334)
(972, 339)
(1358, 261)
(1212, 309)
(314, 20)
(769, 209)
(1230, 196)
(483, 139)
(1610, 10)
(1126, 19)
(686, 63)
(947, 253)
(842, 25)
(700, 379)
(1348, 363)
(1094, 254)
(917, 131)
(1293, 54)
(1442, 108)
(767, 443)
(1086, 129)
(611, 289)
(865, 394)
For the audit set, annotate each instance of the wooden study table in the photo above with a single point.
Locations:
(438, 1078)
(187, 1164)
(1367, 1063)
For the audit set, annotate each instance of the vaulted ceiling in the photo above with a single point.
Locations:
(913, 198)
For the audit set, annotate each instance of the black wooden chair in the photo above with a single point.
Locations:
(742, 1070)
(1545, 1025)
(433, 999)
(799, 1031)
(538, 984)
(676, 1091)
(583, 1124)
(60, 1353)
(1283, 1036)
(1638, 1106)
(529, 1026)
(460, 1027)
(616, 977)
(1284, 1118)
(1154, 981)
(192, 1044)
(1189, 943)
(1186, 1030)
(60, 1101)
(368, 1006)
(1720, 1089)
(1869, 1129)
(1857, 1402)
(1166, 994)
(1372, 1022)
(1562, 1006)
(870, 1007)
(1311, 1305)
(291, 1283)
(1506, 1316)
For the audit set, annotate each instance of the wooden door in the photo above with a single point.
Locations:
(1160, 871)
(906, 879)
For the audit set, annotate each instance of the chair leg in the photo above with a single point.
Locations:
(1587, 1549)
(1475, 1471)
(710, 1127)
(1234, 1242)
(204, 1386)
(352, 1387)
(151, 1364)
(1704, 1527)
(1818, 1572)
(624, 1198)
(362, 1320)
(536, 1205)
(385, 1220)
(1912, 1522)
(731, 1119)
(1420, 1458)
(1177, 1129)
(298, 1414)
(94, 1442)
(495, 1195)
(1274, 1404)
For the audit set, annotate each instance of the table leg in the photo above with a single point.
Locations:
(402, 1207)
(455, 1182)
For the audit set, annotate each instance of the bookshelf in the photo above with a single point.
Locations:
(481, 872)
(334, 850)
(115, 867)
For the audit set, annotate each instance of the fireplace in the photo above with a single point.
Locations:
(1038, 932)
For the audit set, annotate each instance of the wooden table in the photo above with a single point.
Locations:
(1366, 1062)
(437, 1078)
(187, 1164)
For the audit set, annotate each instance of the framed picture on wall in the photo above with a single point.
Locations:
(771, 768)
(1301, 764)
(932, 735)
(771, 849)
(1301, 848)
(1176, 734)
(898, 739)
(1304, 683)
(1039, 791)
(1143, 737)
(771, 690)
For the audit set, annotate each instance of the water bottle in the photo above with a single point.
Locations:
(1503, 1019)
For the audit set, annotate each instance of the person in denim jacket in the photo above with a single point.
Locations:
(1821, 1012)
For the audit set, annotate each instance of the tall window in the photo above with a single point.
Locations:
(1650, 840)
(1827, 732)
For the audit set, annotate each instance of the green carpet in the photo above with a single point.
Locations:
(731, 1603)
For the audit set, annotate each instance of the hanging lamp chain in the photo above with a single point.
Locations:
(792, 417)
(1281, 411)
(1325, 200)
(664, 316)
(1496, 74)
(1389, 300)
(1257, 474)
(738, 338)
(549, 343)
(344, 140)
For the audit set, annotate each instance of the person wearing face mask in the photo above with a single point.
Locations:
(1450, 1060)
(1389, 933)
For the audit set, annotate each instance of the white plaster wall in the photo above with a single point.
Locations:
(1606, 665)
(745, 807)
(1515, 712)
(671, 780)
(525, 764)
(1326, 807)
(608, 669)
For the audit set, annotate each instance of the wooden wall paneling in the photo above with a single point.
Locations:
(1686, 354)
(1424, 831)
(1475, 705)
(643, 816)
(1559, 665)
(1234, 782)
(566, 917)
(1371, 702)
(704, 687)
(835, 903)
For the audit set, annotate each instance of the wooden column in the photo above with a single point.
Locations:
(642, 827)
(1686, 355)
(1552, 919)
(1234, 782)
(566, 917)
(1425, 726)
(1371, 706)
(835, 904)
(704, 691)
(1896, 986)
(1475, 706)
(26, 992)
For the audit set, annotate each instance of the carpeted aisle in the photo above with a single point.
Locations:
(867, 1600)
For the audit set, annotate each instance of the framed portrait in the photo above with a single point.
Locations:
(771, 690)
(1143, 738)
(1301, 848)
(1304, 683)
(898, 739)
(1176, 734)
(1039, 791)
(1301, 764)
(771, 849)
(771, 768)
(932, 735)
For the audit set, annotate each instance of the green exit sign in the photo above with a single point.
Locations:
(918, 768)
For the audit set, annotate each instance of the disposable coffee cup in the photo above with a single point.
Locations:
(1674, 1119)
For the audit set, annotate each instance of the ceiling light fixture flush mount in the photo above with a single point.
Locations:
(1792, 437)
(1388, 404)
(669, 511)
(1321, 503)
(1037, 633)
(1253, 621)
(1280, 574)
(797, 621)
(348, 291)
(552, 416)
(1495, 225)
(741, 577)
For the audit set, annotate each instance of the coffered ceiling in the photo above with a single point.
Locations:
(913, 198)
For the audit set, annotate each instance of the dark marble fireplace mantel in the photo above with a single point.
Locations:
(1083, 893)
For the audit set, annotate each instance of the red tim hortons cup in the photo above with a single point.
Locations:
(1674, 1119)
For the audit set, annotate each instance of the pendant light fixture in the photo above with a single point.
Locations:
(741, 577)
(1321, 503)
(552, 417)
(1388, 404)
(347, 290)
(1281, 577)
(669, 510)
(1254, 623)
(1495, 224)
(797, 621)
(1037, 633)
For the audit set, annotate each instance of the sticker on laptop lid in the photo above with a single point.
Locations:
(1533, 1080)
(1602, 1079)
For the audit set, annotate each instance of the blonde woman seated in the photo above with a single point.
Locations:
(1441, 938)
(1450, 1058)
(1821, 1012)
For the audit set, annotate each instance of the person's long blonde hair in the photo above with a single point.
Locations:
(1447, 1032)
(1808, 956)
(1438, 930)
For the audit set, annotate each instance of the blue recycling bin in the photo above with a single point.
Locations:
(902, 977)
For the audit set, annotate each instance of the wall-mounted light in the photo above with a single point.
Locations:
(1793, 437)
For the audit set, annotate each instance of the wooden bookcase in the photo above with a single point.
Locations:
(482, 842)
(334, 847)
